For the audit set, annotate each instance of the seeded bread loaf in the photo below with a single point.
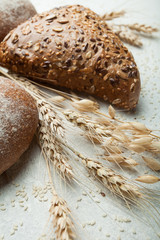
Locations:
(18, 122)
(12, 13)
(72, 47)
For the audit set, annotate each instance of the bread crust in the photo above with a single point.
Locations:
(72, 47)
(12, 13)
(18, 122)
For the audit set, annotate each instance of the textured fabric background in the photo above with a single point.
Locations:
(32, 219)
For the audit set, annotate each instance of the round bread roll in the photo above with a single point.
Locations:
(12, 13)
(18, 122)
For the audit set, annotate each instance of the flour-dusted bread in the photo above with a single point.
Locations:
(72, 47)
(18, 122)
(12, 13)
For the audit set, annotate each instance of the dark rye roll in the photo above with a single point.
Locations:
(72, 47)
(12, 13)
(18, 122)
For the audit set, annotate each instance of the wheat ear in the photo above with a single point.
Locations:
(61, 218)
(142, 28)
(115, 183)
(114, 136)
(60, 214)
(52, 150)
(126, 35)
(113, 15)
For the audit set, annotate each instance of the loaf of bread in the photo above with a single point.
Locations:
(72, 47)
(12, 13)
(18, 122)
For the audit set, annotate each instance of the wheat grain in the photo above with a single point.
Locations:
(85, 105)
(115, 158)
(148, 179)
(151, 163)
(120, 136)
(142, 141)
(110, 147)
(105, 122)
(155, 147)
(57, 99)
(111, 112)
(136, 148)
(129, 163)
(137, 126)
(122, 161)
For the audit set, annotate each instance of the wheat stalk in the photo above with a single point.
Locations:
(139, 139)
(133, 136)
(112, 134)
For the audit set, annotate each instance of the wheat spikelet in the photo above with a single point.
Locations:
(136, 126)
(154, 147)
(121, 160)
